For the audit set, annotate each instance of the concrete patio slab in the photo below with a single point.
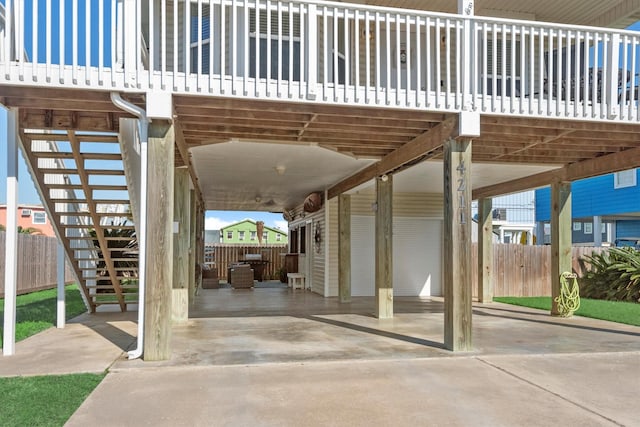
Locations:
(460, 391)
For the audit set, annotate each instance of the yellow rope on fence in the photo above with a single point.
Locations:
(569, 299)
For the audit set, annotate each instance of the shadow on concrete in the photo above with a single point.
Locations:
(551, 323)
(378, 332)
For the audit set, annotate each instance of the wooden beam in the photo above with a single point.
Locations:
(181, 217)
(344, 248)
(419, 146)
(485, 251)
(457, 245)
(384, 247)
(560, 238)
(159, 238)
(609, 163)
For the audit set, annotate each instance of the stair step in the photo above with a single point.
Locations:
(60, 171)
(67, 155)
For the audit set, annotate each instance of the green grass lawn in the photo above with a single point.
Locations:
(47, 400)
(615, 311)
(36, 311)
(43, 401)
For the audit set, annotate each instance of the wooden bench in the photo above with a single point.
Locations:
(296, 280)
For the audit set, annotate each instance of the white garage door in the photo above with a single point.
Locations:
(417, 256)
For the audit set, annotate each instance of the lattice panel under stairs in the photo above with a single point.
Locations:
(82, 182)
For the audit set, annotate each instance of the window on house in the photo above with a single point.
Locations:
(278, 237)
(26, 212)
(39, 218)
(588, 228)
(241, 235)
(624, 179)
(252, 235)
(503, 63)
(265, 235)
(303, 240)
(229, 235)
(201, 44)
(293, 241)
(285, 50)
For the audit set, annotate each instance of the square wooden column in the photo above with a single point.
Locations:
(159, 242)
(181, 237)
(192, 246)
(457, 244)
(344, 248)
(384, 247)
(560, 237)
(485, 251)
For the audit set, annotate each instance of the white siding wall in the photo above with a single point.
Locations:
(417, 244)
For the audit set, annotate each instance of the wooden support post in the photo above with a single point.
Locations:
(200, 244)
(159, 242)
(181, 235)
(560, 237)
(384, 247)
(344, 247)
(11, 242)
(485, 251)
(192, 246)
(457, 245)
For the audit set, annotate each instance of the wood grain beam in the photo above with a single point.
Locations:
(418, 147)
(609, 163)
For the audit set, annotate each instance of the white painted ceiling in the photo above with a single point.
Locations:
(243, 176)
(607, 13)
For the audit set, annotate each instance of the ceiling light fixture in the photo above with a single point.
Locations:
(280, 169)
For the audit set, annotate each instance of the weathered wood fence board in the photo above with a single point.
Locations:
(225, 254)
(37, 263)
(521, 270)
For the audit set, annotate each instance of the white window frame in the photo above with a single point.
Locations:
(229, 234)
(265, 236)
(625, 179)
(241, 236)
(33, 217)
(588, 228)
(278, 237)
(253, 235)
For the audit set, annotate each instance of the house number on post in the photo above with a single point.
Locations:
(462, 185)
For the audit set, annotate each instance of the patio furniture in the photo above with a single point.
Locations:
(257, 263)
(296, 280)
(210, 277)
(241, 276)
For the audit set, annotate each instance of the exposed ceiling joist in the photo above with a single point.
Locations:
(610, 163)
(419, 146)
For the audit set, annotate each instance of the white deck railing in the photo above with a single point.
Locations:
(324, 52)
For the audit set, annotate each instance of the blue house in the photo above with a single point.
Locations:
(608, 203)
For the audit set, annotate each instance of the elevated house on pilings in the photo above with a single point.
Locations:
(399, 117)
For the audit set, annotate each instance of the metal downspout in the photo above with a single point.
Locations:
(143, 128)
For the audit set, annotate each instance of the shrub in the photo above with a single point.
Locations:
(612, 275)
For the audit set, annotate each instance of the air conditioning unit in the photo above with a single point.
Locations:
(26, 212)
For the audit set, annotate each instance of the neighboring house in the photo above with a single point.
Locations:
(608, 203)
(401, 112)
(245, 232)
(513, 217)
(30, 217)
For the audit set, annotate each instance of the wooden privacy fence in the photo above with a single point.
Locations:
(522, 271)
(37, 263)
(224, 254)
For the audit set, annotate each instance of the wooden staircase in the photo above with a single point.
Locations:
(82, 182)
